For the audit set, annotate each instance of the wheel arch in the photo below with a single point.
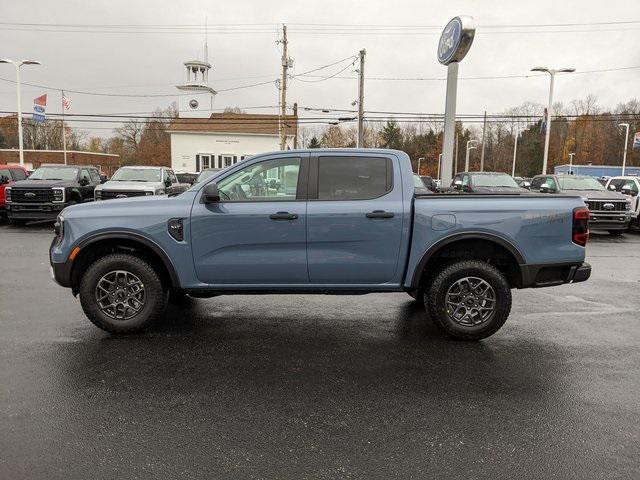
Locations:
(128, 242)
(471, 245)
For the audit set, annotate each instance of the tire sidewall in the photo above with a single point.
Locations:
(155, 295)
(436, 298)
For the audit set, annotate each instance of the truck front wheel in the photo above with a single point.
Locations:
(469, 300)
(122, 293)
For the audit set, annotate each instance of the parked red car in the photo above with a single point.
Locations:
(8, 175)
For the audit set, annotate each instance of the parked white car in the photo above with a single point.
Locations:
(629, 186)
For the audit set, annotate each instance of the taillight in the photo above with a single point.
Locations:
(580, 231)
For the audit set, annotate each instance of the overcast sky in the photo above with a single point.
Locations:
(151, 63)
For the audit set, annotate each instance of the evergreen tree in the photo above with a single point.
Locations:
(391, 135)
(314, 143)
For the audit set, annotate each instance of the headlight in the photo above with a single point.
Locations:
(58, 195)
(58, 228)
(628, 205)
(7, 194)
(148, 193)
(97, 194)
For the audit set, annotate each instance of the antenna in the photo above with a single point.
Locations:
(206, 46)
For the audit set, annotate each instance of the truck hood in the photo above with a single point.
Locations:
(43, 183)
(136, 186)
(597, 194)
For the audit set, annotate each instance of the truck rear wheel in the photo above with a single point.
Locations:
(469, 300)
(122, 293)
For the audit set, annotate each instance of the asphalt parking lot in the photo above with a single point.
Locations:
(318, 386)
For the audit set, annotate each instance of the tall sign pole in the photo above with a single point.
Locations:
(455, 42)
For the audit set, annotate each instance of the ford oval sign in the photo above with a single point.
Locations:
(456, 39)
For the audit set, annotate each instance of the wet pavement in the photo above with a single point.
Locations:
(302, 386)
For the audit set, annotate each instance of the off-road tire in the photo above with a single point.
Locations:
(435, 296)
(155, 293)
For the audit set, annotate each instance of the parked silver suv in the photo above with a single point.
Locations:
(135, 181)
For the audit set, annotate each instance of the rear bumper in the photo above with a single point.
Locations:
(550, 275)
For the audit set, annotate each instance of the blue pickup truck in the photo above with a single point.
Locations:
(319, 221)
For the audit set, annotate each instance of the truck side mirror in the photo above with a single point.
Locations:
(611, 187)
(83, 182)
(526, 185)
(167, 182)
(626, 190)
(103, 179)
(211, 193)
(457, 184)
(4, 179)
(545, 188)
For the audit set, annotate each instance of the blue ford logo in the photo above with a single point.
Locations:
(449, 40)
(456, 39)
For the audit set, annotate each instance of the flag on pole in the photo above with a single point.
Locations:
(66, 103)
(39, 107)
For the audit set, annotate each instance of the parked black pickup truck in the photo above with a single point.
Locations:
(49, 189)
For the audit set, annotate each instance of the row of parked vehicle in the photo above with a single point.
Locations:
(614, 204)
(45, 192)
(41, 195)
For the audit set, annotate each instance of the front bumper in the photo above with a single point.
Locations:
(609, 221)
(550, 275)
(34, 211)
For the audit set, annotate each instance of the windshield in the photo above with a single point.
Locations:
(138, 175)
(502, 180)
(54, 173)
(206, 174)
(579, 183)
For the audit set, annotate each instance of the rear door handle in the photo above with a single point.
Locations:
(283, 216)
(380, 214)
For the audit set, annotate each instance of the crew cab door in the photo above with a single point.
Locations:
(85, 185)
(256, 234)
(354, 218)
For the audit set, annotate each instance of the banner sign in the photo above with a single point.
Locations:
(636, 140)
(39, 107)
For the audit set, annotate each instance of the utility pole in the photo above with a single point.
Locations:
(64, 137)
(295, 114)
(484, 131)
(283, 90)
(363, 52)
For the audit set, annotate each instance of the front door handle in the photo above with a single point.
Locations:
(380, 214)
(283, 216)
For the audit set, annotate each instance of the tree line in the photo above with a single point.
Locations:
(581, 127)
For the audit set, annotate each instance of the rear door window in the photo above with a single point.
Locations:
(354, 178)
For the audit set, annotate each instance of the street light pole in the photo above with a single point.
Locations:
(515, 149)
(18, 64)
(466, 161)
(571, 162)
(419, 160)
(552, 73)
(439, 163)
(626, 139)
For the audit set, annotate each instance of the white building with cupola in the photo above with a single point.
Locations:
(206, 137)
